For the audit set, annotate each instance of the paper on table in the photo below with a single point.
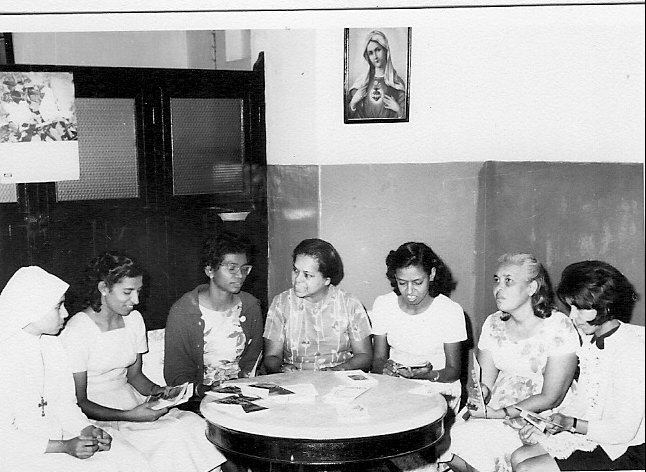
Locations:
(303, 393)
(344, 393)
(356, 377)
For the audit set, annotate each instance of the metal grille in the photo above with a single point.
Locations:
(107, 151)
(208, 146)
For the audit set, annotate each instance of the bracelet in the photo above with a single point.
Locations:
(506, 411)
(574, 422)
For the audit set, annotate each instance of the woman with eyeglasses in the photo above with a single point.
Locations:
(315, 325)
(214, 332)
(104, 343)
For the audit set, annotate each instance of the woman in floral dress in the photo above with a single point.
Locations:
(601, 421)
(315, 325)
(527, 354)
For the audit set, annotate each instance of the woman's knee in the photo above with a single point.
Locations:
(516, 459)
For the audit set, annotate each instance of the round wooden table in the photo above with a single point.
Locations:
(392, 421)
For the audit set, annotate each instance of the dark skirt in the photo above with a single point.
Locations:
(633, 459)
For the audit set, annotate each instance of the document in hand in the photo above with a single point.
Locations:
(476, 396)
(477, 388)
(175, 396)
(540, 422)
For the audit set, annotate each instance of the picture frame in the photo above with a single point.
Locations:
(377, 75)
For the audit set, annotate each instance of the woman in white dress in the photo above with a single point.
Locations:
(417, 324)
(527, 351)
(105, 342)
(601, 421)
(419, 331)
(41, 426)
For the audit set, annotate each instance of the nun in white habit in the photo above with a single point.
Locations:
(41, 426)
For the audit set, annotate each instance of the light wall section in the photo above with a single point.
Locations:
(518, 84)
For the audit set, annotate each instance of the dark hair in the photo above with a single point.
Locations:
(108, 267)
(215, 248)
(543, 298)
(419, 254)
(596, 285)
(330, 264)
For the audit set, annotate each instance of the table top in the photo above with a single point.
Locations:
(388, 419)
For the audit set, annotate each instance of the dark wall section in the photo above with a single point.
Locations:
(564, 213)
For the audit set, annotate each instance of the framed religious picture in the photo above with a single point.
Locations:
(377, 75)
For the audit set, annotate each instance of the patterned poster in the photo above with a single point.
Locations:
(38, 127)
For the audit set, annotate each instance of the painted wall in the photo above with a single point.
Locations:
(105, 48)
(564, 213)
(369, 210)
(488, 84)
(530, 84)
(536, 83)
(471, 213)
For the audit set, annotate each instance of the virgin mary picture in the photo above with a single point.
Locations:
(377, 71)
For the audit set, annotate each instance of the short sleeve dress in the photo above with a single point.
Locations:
(106, 356)
(521, 365)
(316, 335)
(417, 339)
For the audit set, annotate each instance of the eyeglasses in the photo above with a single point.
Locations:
(234, 268)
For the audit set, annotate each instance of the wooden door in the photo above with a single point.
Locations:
(141, 133)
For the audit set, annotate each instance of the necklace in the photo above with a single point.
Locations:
(43, 403)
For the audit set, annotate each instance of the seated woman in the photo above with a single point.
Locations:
(105, 342)
(527, 354)
(41, 426)
(214, 332)
(315, 325)
(602, 418)
(417, 324)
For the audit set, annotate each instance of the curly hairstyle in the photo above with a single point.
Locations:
(216, 248)
(108, 267)
(596, 285)
(419, 254)
(543, 298)
(330, 264)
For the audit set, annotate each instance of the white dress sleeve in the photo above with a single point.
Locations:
(77, 337)
(379, 316)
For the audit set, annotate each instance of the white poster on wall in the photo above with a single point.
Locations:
(38, 127)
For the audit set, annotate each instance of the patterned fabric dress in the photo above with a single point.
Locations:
(224, 343)
(316, 335)
(521, 364)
